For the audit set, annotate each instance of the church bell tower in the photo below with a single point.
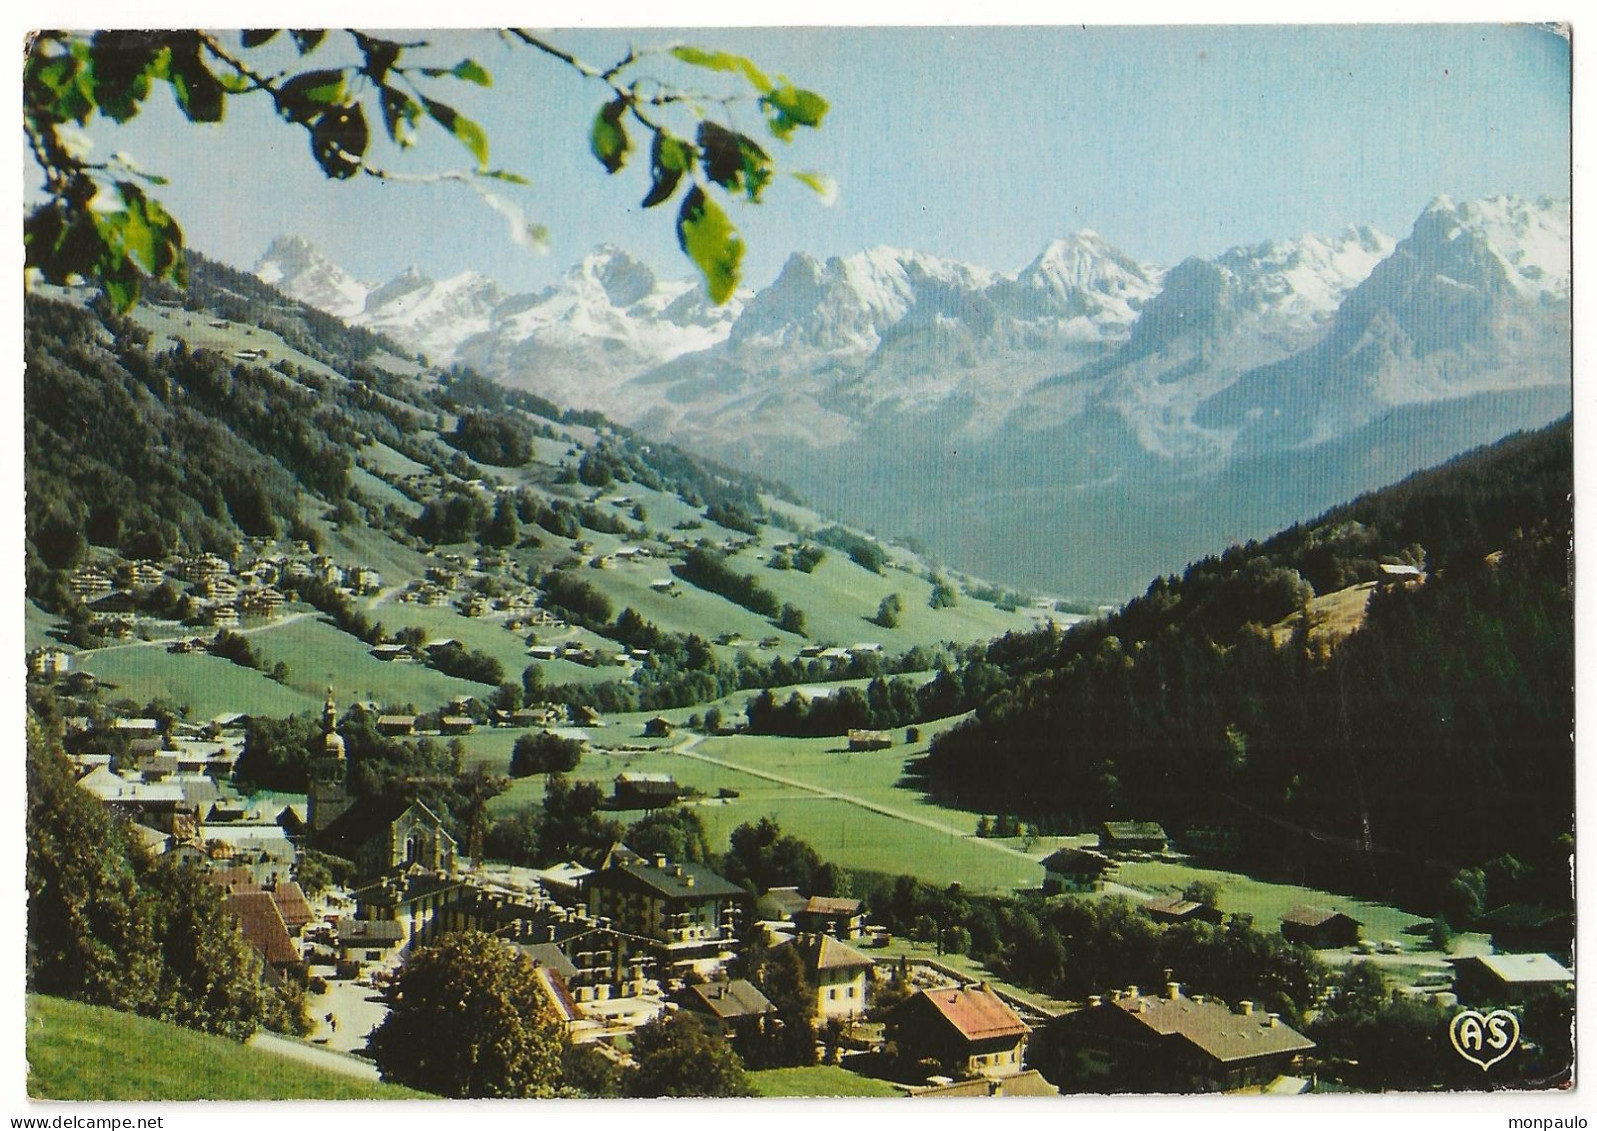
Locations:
(329, 785)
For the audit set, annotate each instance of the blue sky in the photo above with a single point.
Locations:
(979, 144)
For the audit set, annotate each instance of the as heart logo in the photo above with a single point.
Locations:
(1484, 1039)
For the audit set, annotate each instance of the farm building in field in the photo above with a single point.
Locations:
(1503, 978)
(1171, 1042)
(645, 791)
(1133, 836)
(657, 727)
(1075, 870)
(1319, 928)
(966, 1031)
(1170, 910)
(869, 739)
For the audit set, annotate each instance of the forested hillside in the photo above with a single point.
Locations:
(1435, 738)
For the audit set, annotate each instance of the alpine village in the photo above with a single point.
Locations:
(395, 729)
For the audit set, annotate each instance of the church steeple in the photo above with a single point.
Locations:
(329, 789)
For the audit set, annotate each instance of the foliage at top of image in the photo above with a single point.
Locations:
(100, 224)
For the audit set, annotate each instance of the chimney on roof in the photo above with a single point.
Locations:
(1271, 1020)
(687, 880)
(1172, 990)
(1245, 1008)
(659, 861)
(1094, 1000)
(549, 933)
(1131, 991)
(984, 987)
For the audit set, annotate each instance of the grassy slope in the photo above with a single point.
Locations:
(83, 1052)
(818, 1081)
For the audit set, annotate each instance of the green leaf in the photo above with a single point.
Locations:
(307, 96)
(669, 158)
(400, 114)
(504, 175)
(788, 107)
(121, 68)
(733, 160)
(466, 131)
(709, 239)
(819, 183)
(608, 139)
(339, 139)
(467, 69)
(258, 37)
(724, 61)
(200, 96)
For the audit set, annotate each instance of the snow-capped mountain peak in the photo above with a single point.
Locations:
(295, 266)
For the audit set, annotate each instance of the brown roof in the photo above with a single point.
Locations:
(1027, 1083)
(976, 1012)
(729, 1000)
(233, 880)
(1163, 905)
(292, 904)
(826, 953)
(1213, 1027)
(262, 925)
(1313, 916)
(832, 905)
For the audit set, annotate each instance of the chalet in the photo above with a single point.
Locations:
(1132, 836)
(1170, 910)
(1318, 928)
(1075, 870)
(368, 940)
(1399, 574)
(363, 579)
(219, 588)
(689, 912)
(734, 1008)
(965, 1031)
(781, 903)
(262, 604)
(116, 601)
(657, 727)
(840, 974)
(456, 724)
(143, 575)
(203, 568)
(396, 726)
(869, 739)
(1134, 1042)
(645, 791)
(1495, 979)
(543, 652)
(830, 915)
(50, 662)
(88, 582)
(557, 994)
(584, 715)
(393, 653)
(222, 616)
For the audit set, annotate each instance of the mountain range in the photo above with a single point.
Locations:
(1078, 424)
